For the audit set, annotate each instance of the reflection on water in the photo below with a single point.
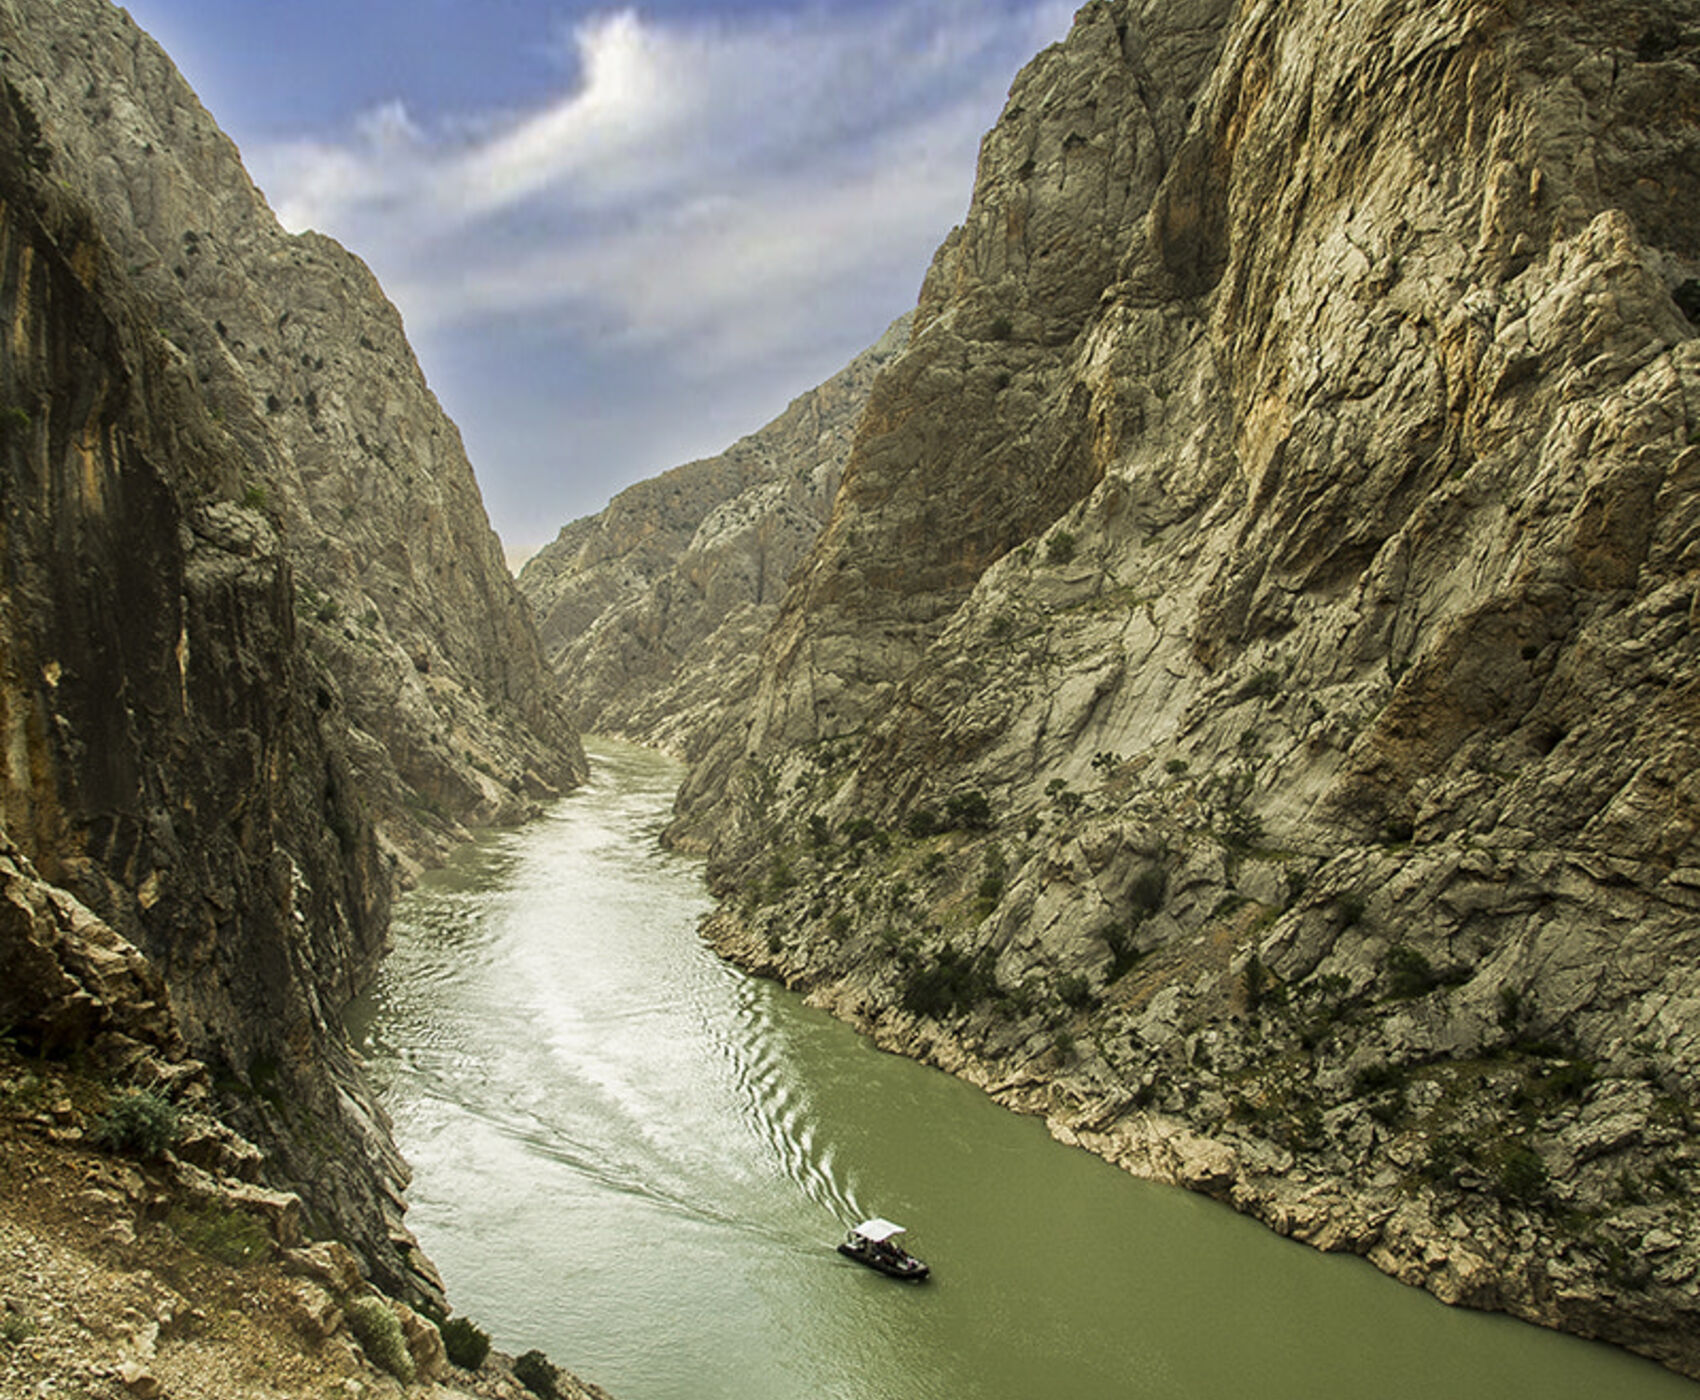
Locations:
(638, 1159)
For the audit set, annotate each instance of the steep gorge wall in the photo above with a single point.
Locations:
(1242, 707)
(652, 612)
(175, 759)
(402, 590)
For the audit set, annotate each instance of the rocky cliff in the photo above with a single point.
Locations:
(652, 612)
(1242, 706)
(256, 640)
(402, 592)
(176, 762)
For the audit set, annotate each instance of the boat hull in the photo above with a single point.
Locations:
(908, 1267)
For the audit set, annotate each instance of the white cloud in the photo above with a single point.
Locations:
(706, 220)
(691, 175)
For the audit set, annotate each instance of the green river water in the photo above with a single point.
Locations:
(638, 1159)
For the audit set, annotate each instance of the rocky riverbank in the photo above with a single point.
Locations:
(129, 1279)
(140, 1254)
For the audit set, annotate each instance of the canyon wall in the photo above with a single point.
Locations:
(652, 612)
(402, 591)
(259, 654)
(1242, 706)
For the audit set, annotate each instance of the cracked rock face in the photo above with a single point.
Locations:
(257, 644)
(652, 612)
(169, 767)
(401, 588)
(1242, 706)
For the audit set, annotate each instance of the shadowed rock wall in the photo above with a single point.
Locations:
(174, 756)
(402, 590)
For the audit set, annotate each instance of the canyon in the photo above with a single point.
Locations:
(1240, 705)
(1220, 675)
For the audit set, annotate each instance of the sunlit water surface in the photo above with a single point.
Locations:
(638, 1159)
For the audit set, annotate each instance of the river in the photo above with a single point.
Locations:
(638, 1159)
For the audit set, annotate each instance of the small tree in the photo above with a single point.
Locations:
(536, 1373)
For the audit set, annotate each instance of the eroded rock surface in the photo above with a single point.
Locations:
(652, 613)
(1242, 706)
(258, 651)
(401, 590)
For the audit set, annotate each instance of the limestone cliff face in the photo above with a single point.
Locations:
(1243, 704)
(178, 779)
(652, 612)
(259, 653)
(402, 591)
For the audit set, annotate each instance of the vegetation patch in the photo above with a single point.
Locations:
(138, 1121)
(1519, 1173)
(951, 982)
(231, 1237)
(1384, 1087)
(1075, 991)
(1410, 974)
(378, 1330)
(467, 1344)
(537, 1374)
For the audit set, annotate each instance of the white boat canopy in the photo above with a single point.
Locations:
(878, 1230)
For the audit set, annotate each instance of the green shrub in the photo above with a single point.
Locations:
(953, 980)
(1060, 548)
(1147, 891)
(1522, 1175)
(1241, 829)
(1264, 684)
(859, 829)
(378, 1330)
(467, 1345)
(232, 1237)
(1409, 973)
(536, 1374)
(138, 1121)
(1384, 1086)
(922, 822)
(1124, 953)
(969, 811)
(1074, 990)
(1570, 1080)
(1448, 1154)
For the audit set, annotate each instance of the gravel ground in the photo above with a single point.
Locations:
(101, 1299)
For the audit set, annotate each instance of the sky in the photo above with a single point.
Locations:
(621, 237)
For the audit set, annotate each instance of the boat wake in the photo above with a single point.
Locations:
(778, 1110)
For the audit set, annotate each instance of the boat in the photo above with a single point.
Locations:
(874, 1243)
